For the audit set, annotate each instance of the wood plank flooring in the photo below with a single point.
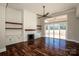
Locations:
(39, 48)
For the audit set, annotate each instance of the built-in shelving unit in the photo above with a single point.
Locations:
(39, 27)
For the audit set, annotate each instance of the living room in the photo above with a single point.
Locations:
(39, 29)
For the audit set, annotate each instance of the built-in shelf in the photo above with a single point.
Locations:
(13, 23)
(39, 26)
(39, 29)
(30, 29)
(13, 28)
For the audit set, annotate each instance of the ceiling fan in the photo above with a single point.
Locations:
(44, 14)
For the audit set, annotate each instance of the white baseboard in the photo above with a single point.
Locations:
(2, 49)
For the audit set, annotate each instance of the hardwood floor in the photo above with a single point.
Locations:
(41, 47)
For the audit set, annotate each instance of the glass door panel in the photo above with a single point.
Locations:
(63, 30)
(51, 31)
(55, 34)
(47, 31)
(56, 31)
(62, 34)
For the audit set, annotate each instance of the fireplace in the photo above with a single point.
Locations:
(30, 38)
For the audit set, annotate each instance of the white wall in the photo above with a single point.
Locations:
(73, 27)
(13, 15)
(30, 22)
(2, 12)
(2, 29)
(13, 35)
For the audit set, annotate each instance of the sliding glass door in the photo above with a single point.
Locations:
(56, 30)
(55, 34)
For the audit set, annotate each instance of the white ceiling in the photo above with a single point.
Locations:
(37, 7)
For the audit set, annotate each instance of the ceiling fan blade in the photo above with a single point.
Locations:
(38, 15)
(47, 13)
(44, 17)
(49, 16)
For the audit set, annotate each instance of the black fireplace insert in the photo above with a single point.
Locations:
(30, 38)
